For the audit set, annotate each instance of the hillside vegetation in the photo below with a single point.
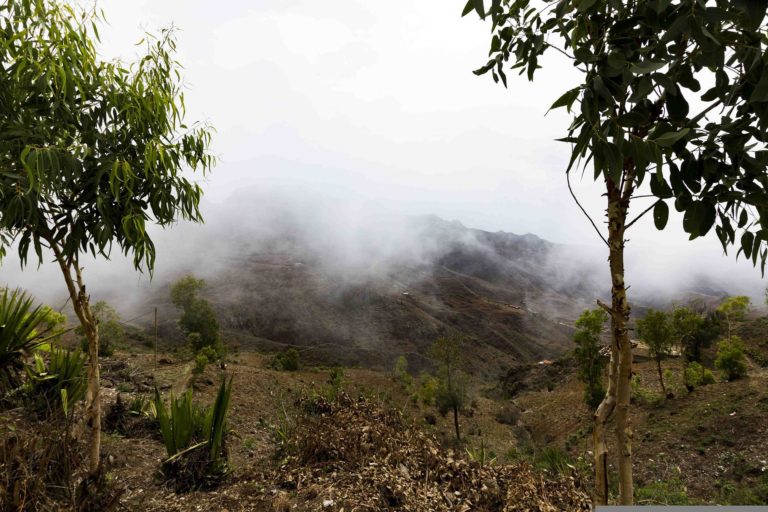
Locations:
(305, 440)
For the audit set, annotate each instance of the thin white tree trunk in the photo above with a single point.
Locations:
(80, 302)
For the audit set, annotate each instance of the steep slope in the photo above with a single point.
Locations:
(499, 290)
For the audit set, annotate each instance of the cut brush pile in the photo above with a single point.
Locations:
(354, 455)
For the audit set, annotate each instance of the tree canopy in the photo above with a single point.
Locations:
(734, 309)
(693, 331)
(678, 88)
(91, 150)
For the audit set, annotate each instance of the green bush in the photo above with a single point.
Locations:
(428, 388)
(336, 381)
(55, 387)
(198, 319)
(587, 354)
(668, 492)
(106, 349)
(141, 405)
(730, 358)
(111, 331)
(643, 395)
(594, 394)
(401, 372)
(195, 439)
(287, 361)
(746, 492)
(696, 375)
(454, 396)
(481, 455)
(201, 361)
(553, 460)
(204, 356)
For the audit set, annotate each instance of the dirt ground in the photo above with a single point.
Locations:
(709, 444)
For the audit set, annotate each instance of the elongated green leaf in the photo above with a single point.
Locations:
(746, 243)
(668, 139)
(647, 66)
(567, 99)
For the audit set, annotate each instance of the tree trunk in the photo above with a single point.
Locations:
(601, 417)
(80, 303)
(661, 376)
(617, 216)
(93, 395)
(456, 422)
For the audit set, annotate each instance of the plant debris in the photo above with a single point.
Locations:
(355, 455)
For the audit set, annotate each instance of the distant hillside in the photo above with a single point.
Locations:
(504, 292)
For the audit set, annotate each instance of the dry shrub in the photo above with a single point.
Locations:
(123, 420)
(94, 494)
(367, 457)
(281, 503)
(348, 442)
(508, 414)
(40, 466)
(193, 469)
(37, 467)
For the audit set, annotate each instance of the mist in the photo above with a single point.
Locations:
(352, 241)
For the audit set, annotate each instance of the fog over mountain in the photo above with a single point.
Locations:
(362, 284)
(354, 241)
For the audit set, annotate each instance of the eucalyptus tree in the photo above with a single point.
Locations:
(671, 107)
(91, 152)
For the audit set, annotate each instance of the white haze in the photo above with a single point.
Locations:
(354, 116)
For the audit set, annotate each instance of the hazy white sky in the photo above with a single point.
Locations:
(367, 100)
(375, 102)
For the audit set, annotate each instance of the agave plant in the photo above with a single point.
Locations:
(20, 320)
(57, 386)
(195, 437)
(215, 427)
(181, 424)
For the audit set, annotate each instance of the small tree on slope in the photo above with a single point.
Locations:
(198, 320)
(90, 153)
(656, 330)
(452, 390)
(733, 309)
(643, 120)
(589, 327)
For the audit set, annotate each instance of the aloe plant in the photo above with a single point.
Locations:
(179, 422)
(58, 385)
(20, 320)
(186, 427)
(216, 420)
